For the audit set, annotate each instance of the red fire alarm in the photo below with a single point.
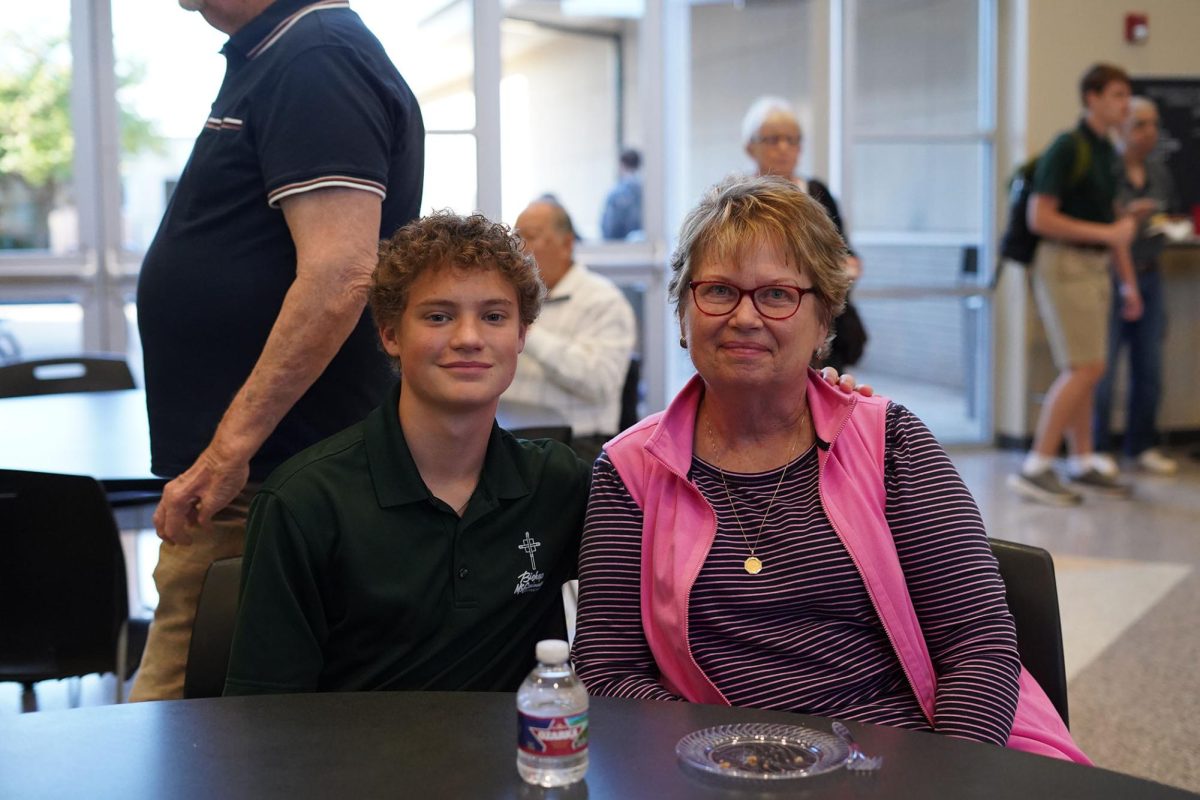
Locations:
(1137, 28)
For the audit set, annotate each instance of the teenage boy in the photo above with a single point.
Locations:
(1073, 209)
(423, 548)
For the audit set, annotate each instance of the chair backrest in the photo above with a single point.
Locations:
(93, 373)
(631, 395)
(63, 597)
(1028, 574)
(212, 633)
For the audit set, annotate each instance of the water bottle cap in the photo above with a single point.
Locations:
(553, 651)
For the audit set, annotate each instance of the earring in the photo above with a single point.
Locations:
(683, 342)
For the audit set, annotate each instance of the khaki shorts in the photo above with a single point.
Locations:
(1073, 288)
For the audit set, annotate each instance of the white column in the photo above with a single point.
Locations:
(94, 120)
(486, 39)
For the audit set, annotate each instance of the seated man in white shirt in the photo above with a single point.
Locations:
(577, 354)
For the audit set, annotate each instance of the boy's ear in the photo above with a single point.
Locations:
(390, 338)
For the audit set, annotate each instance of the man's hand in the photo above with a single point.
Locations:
(1122, 231)
(846, 382)
(1131, 302)
(190, 501)
(1142, 208)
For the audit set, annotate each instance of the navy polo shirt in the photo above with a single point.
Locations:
(357, 578)
(309, 101)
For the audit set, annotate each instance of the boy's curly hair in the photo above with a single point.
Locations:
(444, 239)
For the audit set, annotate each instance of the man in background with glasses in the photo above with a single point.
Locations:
(251, 297)
(577, 354)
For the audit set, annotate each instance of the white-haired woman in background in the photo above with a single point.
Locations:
(773, 138)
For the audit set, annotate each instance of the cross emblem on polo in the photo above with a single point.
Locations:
(528, 544)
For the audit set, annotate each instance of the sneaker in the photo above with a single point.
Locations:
(1043, 487)
(1106, 464)
(1153, 460)
(1097, 481)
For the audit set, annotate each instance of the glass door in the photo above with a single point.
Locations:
(917, 172)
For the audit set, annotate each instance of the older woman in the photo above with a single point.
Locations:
(773, 139)
(769, 541)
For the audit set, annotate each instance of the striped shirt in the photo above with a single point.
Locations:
(802, 635)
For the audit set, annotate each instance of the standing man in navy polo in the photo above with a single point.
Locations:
(251, 298)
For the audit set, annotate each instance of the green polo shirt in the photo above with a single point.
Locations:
(357, 578)
(1088, 197)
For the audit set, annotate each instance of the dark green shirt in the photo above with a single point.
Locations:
(356, 577)
(1083, 179)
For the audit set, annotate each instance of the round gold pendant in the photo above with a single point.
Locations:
(752, 565)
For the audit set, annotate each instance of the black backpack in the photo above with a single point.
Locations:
(1018, 242)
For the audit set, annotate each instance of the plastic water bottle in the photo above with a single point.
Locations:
(552, 720)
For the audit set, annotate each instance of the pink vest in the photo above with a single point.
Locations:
(653, 458)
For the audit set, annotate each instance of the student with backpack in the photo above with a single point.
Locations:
(1073, 212)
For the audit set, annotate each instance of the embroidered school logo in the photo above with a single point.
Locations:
(531, 579)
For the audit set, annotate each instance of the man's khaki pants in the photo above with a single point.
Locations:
(179, 576)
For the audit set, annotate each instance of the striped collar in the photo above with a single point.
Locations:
(260, 33)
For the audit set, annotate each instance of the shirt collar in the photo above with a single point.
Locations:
(568, 283)
(260, 32)
(394, 472)
(673, 439)
(1091, 135)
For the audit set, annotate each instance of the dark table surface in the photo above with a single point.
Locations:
(105, 435)
(463, 745)
(101, 434)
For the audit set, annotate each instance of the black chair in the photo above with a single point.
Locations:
(70, 374)
(63, 596)
(1028, 574)
(90, 373)
(212, 632)
(631, 395)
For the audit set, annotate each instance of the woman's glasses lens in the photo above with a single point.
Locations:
(774, 302)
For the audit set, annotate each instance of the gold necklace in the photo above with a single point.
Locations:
(753, 564)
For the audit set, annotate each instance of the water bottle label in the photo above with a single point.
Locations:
(552, 736)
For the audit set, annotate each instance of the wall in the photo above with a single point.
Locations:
(1045, 47)
(739, 54)
(1096, 33)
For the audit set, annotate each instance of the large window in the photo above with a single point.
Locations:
(40, 253)
(37, 148)
(169, 68)
(431, 43)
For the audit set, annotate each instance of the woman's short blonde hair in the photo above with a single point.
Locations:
(446, 240)
(741, 213)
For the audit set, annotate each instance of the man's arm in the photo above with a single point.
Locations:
(1045, 219)
(591, 361)
(336, 233)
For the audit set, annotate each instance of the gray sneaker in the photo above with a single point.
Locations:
(1098, 482)
(1044, 487)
